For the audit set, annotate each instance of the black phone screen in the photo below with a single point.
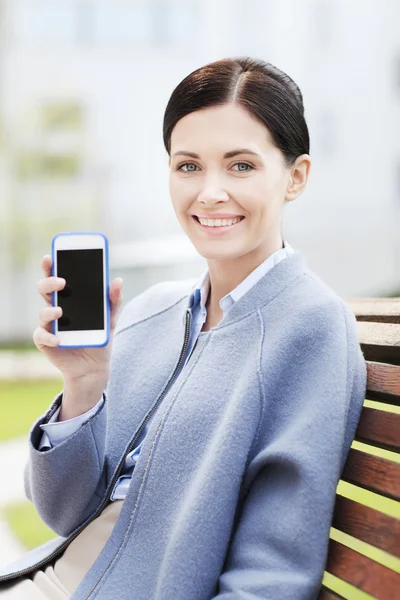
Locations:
(82, 299)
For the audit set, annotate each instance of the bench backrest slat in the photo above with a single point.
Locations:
(362, 572)
(373, 473)
(379, 428)
(367, 524)
(377, 310)
(383, 382)
(378, 325)
(380, 342)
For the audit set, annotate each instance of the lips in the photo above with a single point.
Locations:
(219, 230)
(219, 216)
(215, 218)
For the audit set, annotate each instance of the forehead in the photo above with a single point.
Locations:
(219, 129)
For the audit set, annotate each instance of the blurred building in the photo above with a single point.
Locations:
(83, 88)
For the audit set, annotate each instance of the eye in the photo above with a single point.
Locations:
(179, 168)
(185, 165)
(243, 170)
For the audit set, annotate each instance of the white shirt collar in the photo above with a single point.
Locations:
(201, 288)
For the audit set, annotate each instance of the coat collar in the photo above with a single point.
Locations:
(258, 281)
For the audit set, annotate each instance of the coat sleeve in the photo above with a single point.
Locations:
(67, 482)
(56, 431)
(278, 547)
(63, 482)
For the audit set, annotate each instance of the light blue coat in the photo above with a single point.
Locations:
(233, 493)
(57, 431)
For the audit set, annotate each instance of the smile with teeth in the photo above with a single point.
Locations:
(218, 222)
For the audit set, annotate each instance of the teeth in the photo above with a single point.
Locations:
(218, 222)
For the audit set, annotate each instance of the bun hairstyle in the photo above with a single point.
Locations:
(262, 89)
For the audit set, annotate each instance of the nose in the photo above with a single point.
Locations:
(212, 193)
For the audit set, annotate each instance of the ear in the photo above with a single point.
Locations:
(298, 177)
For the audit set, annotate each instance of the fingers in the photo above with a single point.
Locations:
(48, 285)
(42, 338)
(47, 314)
(42, 335)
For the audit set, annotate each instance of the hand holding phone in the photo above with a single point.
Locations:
(77, 363)
(81, 258)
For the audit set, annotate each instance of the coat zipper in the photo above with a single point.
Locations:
(118, 472)
(131, 445)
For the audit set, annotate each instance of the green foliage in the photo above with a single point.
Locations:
(22, 402)
(18, 346)
(64, 115)
(27, 525)
(39, 164)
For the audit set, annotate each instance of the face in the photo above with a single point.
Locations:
(207, 180)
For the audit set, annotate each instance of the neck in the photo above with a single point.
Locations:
(225, 275)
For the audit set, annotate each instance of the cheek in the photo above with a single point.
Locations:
(181, 208)
(264, 187)
(177, 198)
(262, 199)
(180, 193)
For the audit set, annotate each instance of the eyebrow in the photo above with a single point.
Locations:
(226, 155)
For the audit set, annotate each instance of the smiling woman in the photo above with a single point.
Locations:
(232, 209)
(208, 468)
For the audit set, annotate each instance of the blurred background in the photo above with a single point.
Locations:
(83, 89)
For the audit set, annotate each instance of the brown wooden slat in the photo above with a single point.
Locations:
(382, 310)
(378, 326)
(383, 382)
(373, 473)
(380, 341)
(379, 318)
(362, 572)
(379, 428)
(367, 524)
(326, 594)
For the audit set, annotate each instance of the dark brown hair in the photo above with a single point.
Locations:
(259, 87)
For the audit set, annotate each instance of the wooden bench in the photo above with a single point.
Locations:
(378, 321)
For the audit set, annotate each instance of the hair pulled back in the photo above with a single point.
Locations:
(262, 89)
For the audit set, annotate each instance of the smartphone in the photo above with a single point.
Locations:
(81, 258)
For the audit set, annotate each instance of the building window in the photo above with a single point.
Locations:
(121, 23)
(106, 23)
(177, 23)
(43, 23)
(151, 23)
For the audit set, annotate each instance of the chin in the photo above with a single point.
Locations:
(208, 252)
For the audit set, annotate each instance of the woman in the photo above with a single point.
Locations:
(208, 468)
